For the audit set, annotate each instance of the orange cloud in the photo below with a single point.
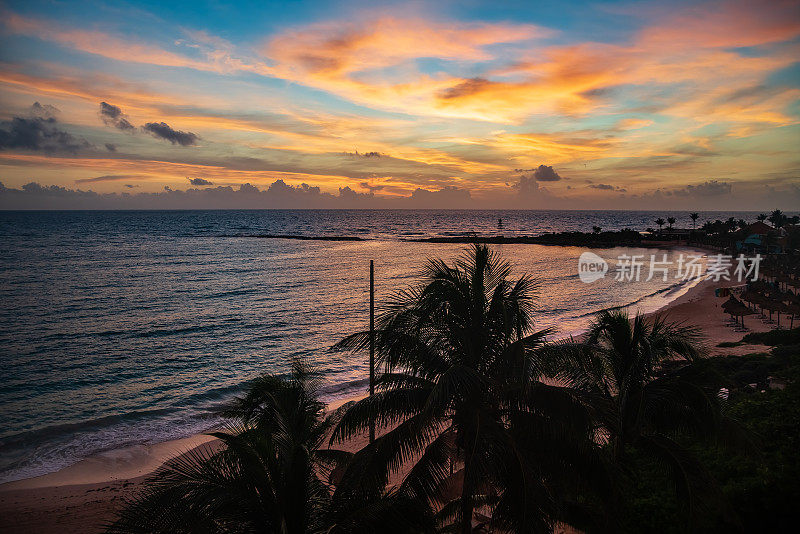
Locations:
(371, 62)
(175, 172)
(683, 67)
(330, 49)
(690, 47)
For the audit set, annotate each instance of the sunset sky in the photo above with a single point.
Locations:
(441, 104)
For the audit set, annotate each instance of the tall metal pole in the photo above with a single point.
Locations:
(371, 342)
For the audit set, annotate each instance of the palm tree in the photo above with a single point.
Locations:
(272, 474)
(621, 360)
(462, 391)
(660, 222)
(596, 229)
(777, 218)
(762, 217)
(671, 221)
(694, 217)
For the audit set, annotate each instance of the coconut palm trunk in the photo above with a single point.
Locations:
(463, 388)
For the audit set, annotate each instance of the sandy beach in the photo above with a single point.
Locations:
(82, 498)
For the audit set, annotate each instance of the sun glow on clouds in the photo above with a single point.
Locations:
(435, 100)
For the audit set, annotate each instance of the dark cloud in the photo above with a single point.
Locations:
(109, 178)
(546, 173)
(524, 195)
(111, 147)
(709, 188)
(370, 187)
(608, 187)
(364, 154)
(199, 181)
(443, 198)
(113, 116)
(287, 193)
(162, 130)
(45, 111)
(38, 134)
(526, 186)
(347, 194)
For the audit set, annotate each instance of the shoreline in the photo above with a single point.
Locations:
(148, 452)
(125, 463)
(86, 494)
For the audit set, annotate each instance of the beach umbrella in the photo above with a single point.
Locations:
(775, 306)
(769, 305)
(794, 309)
(735, 308)
(730, 303)
(741, 310)
(728, 306)
(753, 297)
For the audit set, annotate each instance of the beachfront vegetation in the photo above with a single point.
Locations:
(654, 397)
(486, 425)
(761, 489)
(270, 473)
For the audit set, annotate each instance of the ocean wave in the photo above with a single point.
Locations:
(665, 290)
(300, 237)
(50, 449)
(343, 389)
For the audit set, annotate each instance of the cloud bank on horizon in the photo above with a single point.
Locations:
(582, 105)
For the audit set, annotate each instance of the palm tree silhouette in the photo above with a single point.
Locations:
(272, 475)
(762, 217)
(596, 229)
(620, 360)
(694, 217)
(660, 222)
(462, 390)
(671, 221)
(777, 218)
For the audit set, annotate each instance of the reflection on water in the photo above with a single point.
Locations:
(119, 328)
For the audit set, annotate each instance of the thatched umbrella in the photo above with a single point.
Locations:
(774, 306)
(753, 297)
(794, 309)
(736, 309)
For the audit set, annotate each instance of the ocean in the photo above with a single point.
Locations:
(118, 328)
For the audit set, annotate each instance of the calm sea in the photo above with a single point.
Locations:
(119, 328)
